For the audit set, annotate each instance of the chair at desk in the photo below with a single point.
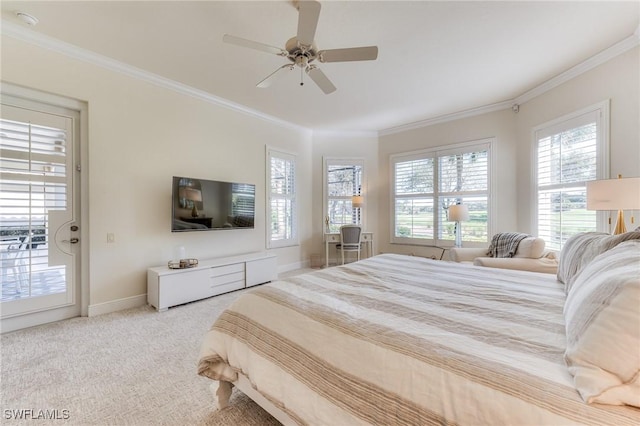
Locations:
(350, 240)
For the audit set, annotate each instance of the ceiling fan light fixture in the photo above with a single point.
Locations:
(27, 19)
(302, 51)
(302, 61)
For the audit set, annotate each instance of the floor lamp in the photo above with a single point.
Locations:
(458, 213)
(614, 194)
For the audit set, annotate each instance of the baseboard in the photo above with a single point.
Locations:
(293, 266)
(117, 305)
(34, 319)
(141, 300)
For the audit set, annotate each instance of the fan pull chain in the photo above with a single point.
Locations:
(301, 77)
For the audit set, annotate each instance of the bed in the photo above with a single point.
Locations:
(404, 340)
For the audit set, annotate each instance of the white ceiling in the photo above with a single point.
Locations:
(435, 57)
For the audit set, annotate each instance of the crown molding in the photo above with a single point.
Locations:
(587, 65)
(447, 117)
(349, 134)
(27, 35)
(594, 61)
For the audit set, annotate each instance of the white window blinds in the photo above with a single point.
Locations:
(426, 183)
(343, 179)
(243, 199)
(33, 183)
(414, 197)
(33, 169)
(567, 157)
(282, 206)
(464, 179)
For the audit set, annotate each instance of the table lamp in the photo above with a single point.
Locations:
(458, 213)
(614, 194)
(194, 195)
(357, 201)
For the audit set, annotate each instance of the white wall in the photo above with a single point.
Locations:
(499, 125)
(139, 136)
(617, 80)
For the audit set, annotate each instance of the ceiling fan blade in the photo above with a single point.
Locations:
(253, 45)
(308, 14)
(273, 76)
(321, 80)
(367, 53)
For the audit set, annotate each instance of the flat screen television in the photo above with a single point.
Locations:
(202, 205)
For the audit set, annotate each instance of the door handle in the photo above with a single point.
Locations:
(71, 241)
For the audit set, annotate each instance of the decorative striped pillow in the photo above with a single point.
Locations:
(602, 314)
(581, 249)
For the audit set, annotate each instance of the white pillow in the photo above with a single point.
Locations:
(530, 247)
(602, 314)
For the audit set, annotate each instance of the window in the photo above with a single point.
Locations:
(343, 179)
(426, 183)
(414, 197)
(243, 199)
(569, 152)
(281, 203)
(34, 169)
(36, 190)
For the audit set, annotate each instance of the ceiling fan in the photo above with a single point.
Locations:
(301, 50)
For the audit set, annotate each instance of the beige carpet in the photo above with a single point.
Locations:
(133, 367)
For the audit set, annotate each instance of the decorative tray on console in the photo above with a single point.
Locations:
(183, 263)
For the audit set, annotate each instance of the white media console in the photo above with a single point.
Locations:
(171, 287)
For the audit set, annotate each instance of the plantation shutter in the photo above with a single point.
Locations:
(282, 218)
(464, 172)
(344, 179)
(33, 170)
(414, 197)
(33, 178)
(463, 178)
(243, 199)
(425, 183)
(566, 160)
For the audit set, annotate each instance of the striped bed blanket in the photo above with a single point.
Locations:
(400, 340)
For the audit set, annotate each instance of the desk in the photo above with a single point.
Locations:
(334, 238)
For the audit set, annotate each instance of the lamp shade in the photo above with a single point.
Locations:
(190, 194)
(357, 201)
(458, 213)
(614, 194)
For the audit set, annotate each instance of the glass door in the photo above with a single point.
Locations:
(39, 220)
